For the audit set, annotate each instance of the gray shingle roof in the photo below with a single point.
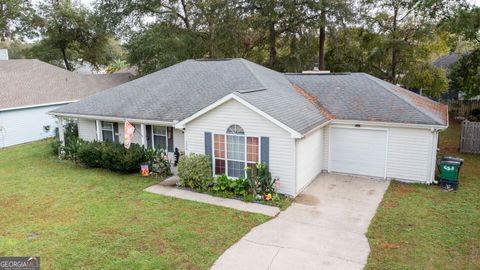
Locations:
(27, 82)
(301, 102)
(359, 96)
(446, 61)
(179, 91)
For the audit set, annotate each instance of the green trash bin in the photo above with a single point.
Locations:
(449, 174)
(449, 170)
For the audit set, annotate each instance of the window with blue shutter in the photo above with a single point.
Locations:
(265, 150)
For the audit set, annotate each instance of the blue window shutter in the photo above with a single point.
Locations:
(265, 150)
(208, 147)
(148, 129)
(115, 132)
(170, 139)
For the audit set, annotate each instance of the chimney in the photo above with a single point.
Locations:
(315, 70)
(3, 54)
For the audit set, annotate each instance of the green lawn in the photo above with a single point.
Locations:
(421, 227)
(94, 219)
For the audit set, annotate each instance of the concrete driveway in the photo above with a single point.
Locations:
(323, 229)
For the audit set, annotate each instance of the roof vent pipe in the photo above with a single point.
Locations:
(3, 54)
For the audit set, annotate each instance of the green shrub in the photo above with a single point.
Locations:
(260, 179)
(238, 187)
(157, 160)
(112, 156)
(70, 150)
(90, 154)
(195, 171)
(56, 144)
(116, 157)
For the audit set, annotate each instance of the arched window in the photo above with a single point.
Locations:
(235, 129)
(233, 151)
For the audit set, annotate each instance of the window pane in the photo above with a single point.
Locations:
(235, 129)
(252, 149)
(160, 142)
(159, 130)
(107, 135)
(107, 125)
(235, 147)
(219, 145)
(236, 168)
(219, 166)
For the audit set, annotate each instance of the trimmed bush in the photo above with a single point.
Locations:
(90, 154)
(195, 171)
(112, 156)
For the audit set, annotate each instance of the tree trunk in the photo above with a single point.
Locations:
(211, 41)
(321, 41)
(65, 60)
(394, 47)
(272, 40)
(186, 19)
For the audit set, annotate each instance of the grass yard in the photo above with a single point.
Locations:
(421, 227)
(78, 218)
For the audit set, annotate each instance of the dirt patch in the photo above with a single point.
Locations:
(390, 205)
(371, 192)
(307, 199)
(388, 245)
(400, 189)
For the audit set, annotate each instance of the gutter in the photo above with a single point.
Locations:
(38, 105)
(115, 119)
(389, 124)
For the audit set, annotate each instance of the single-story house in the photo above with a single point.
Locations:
(30, 88)
(240, 113)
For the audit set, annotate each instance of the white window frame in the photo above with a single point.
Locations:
(106, 129)
(226, 159)
(163, 135)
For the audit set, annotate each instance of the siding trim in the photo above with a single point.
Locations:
(387, 124)
(37, 105)
(116, 119)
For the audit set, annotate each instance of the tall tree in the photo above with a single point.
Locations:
(403, 23)
(73, 31)
(17, 19)
(329, 14)
(465, 74)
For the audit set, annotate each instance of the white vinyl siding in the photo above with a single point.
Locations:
(309, 157)
(326, 143)
(217, 121)
(87, 129)
(26, 125)
(410, 154)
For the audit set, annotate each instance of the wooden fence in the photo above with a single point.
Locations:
(470, 137)
(463, 108)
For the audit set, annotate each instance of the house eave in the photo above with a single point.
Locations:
(389, 124)
(115, 119)
(37, 105)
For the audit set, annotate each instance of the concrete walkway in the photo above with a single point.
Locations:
(323, 229)
(168, 190)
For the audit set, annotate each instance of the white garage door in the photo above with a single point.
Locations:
(358, 151)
